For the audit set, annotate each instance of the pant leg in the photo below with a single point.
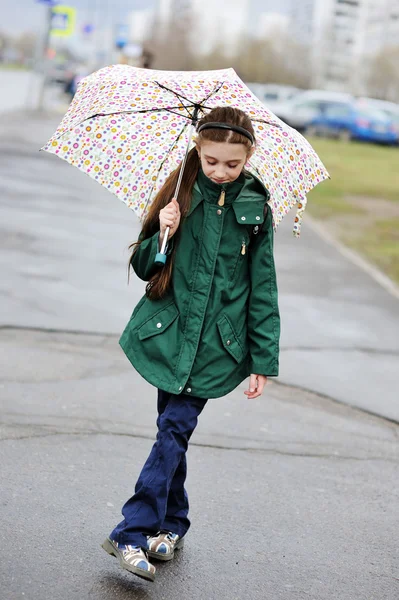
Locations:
(177, 508)
(145, 512)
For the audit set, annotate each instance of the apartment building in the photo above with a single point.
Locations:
(343, 35)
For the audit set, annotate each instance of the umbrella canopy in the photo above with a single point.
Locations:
(128, 128)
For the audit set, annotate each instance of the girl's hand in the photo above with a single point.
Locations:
(169, 217)
(257, 384)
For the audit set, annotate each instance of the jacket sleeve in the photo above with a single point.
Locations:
(263, 312)
(143, 259)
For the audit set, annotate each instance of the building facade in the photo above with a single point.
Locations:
(343, 35)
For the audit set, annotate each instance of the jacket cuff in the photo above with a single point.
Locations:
(265, 370)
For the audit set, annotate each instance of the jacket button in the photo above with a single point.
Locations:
(159, 325)
(219, 212)
(258, 218)
(188, 390)
(243, 218)
(180, 388)
(228, 342)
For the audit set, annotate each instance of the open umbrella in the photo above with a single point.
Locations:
(128, 128)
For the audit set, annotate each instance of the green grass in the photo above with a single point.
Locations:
(8, 67)
(361, 171)
(327, 202)
(381, 245)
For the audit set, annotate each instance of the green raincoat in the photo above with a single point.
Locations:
(220, 321)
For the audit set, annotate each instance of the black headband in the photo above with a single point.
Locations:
(235, 128)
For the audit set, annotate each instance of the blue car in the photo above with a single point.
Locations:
(347, 121)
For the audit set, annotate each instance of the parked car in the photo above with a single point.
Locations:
(353, 121)
(301, 109)
(273, 95)
(389, 108)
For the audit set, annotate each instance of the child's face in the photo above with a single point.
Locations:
(222, 162)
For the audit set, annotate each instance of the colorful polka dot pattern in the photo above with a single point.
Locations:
(128, 133)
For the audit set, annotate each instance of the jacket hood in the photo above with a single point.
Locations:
(248, 203)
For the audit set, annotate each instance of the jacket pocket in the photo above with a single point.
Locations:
(158, 322)
(230, 339)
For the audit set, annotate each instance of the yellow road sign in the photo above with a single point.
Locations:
(63, 20)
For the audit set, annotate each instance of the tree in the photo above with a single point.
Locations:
(277, 59)
(5, 42)
(169, 41)
(216, 59)
(26, 45)
(383, 75)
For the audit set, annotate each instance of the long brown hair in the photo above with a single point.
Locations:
(159, 284)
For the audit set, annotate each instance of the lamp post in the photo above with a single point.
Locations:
(46, 46)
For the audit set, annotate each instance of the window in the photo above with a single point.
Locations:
(336, 111)
(374, 114)
(337, 78)
(342, 26)
(270, 96)
(342, 13)
(309, 105)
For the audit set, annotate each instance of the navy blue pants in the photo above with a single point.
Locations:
(160, 501)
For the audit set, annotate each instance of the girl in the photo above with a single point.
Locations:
(208, 320)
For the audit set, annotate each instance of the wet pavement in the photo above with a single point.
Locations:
(292, 496)
(64, 255)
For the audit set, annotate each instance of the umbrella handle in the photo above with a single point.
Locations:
(160, 258)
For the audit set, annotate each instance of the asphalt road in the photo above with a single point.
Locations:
(65, 249)
(292, 496)
(21, 90)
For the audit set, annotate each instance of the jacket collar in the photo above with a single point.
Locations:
(248, 203)
(211, 191)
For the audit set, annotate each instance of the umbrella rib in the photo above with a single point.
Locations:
(163, 162)
(214, 91)
(179, 114)
(172, 110)
(200, 104)
(266, 122)
(175, 93)
(136, 112)
(129, 112)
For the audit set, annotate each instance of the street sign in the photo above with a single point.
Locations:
(121, 36)
(63, 21)
(88, 28)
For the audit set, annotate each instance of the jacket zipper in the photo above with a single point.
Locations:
(239, 259)
(221, 198)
